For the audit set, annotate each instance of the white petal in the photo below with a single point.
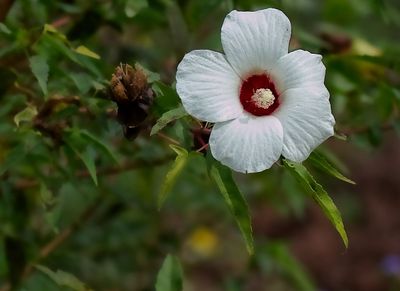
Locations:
(208, 87)
(306, 119)
(298, 69)
(254, 41)
(248, 143)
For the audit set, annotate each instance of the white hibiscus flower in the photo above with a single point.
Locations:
(264, 101)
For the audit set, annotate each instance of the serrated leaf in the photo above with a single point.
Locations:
(53, 42)
(237, 204)
(151, 76)
(318, 193)
(87, 52)
(173, 173)
(63, 279)
(167, 97)
(100, 144)
(40, 70)
(319, 161)
(82, 81)
(168, 117)
(170, 276)
(25, 115)
(87, 156)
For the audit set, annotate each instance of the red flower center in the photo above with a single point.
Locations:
(258, 95)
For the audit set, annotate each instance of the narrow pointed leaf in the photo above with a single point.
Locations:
(48, 28)
(237, 204)
(318, 193)
(289, 266)
(87, 52)
(170, 276)
(100, 144)
(173, 173)
(40, 70)
(87, 157)
(64, 279)
(319, 161)
(168, 117)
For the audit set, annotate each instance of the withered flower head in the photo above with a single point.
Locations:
(128, 84)
(132, 93)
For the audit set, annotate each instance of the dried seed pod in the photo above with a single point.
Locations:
(135, 81)
(117, 88)
(128, 84)
(132, 93)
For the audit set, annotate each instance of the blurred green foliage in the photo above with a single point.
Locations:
(79, 198)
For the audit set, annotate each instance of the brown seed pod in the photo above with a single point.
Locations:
(128, 84)
(132, 93)
(117, 88)
(136, 82)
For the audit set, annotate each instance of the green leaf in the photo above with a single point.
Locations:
(168, 117)
(4, 28)
(100, 144)
(167, 98)
(173, 173)
(46, 196)
(25, 115)
(13, 159)
(87, 52)
(40, 70)
(48, 28)
(237, 204)
(132, 7)
(82, 81)
(87, 156)
(282, 257)
(170, 276)
(318, 193)
(64, 279)
(319, 161)
(151, 76)
(53, 43)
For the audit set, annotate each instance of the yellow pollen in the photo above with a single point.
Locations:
(263, 98)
